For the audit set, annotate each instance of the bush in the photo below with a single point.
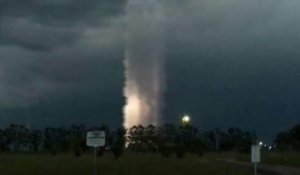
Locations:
(180, 151)
(119, 145)
(76, 147)
(165, 150)
(100, 151)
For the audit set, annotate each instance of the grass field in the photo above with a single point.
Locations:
(275, 158)
(136, 164)
(270, 158)
(130, 164)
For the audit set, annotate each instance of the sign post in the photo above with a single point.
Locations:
(255, 156)
(95, 139)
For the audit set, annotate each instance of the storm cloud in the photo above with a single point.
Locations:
(229, 63)
(50, 45)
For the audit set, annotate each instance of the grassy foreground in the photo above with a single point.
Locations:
(129, 164)
(274, 158)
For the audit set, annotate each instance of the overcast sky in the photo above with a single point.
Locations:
(228, 63)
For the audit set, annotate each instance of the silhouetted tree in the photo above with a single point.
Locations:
(119, 144)
(166, 139)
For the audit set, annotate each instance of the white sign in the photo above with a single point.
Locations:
(95, 139)
(255, 154)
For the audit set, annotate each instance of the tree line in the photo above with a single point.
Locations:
(289, 140)
(167, 139)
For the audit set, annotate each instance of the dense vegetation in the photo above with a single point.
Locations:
(289, 140)
(167, 140)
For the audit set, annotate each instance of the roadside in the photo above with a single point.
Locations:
(268, 169)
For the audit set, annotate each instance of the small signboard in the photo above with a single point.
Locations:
(95, 139)
(255, 154)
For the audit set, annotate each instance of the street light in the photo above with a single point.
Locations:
(186, 120)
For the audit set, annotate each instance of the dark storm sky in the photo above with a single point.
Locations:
(229, 63)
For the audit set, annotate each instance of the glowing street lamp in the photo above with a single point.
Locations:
(186, 120)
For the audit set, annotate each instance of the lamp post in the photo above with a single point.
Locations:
(185, 133)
